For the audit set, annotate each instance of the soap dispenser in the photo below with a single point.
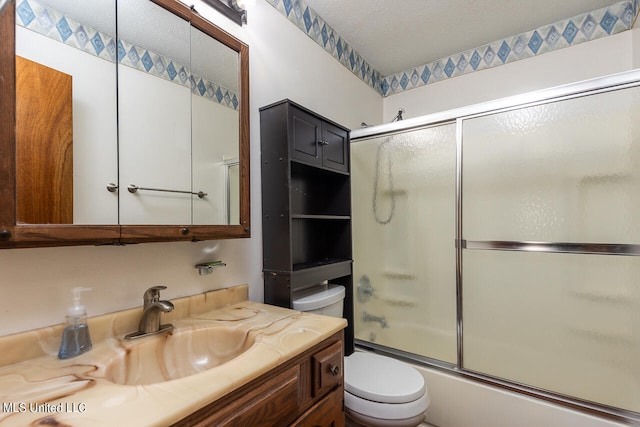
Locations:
(75, 337)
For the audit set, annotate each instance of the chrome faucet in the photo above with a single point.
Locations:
(366, 317)
(153, 307)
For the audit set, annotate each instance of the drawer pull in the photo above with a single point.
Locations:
(335, 370)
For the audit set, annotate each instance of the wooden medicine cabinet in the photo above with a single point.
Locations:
(129, 137)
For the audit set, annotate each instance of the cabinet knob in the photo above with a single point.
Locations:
(335, 370)
(323, 142)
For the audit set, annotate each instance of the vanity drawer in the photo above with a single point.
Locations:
(265, 406)
(327, 369)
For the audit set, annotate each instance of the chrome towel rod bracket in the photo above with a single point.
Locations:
(134, 189)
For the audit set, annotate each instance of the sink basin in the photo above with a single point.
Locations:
(177, 354)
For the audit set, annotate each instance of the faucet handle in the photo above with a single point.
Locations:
(152, 294)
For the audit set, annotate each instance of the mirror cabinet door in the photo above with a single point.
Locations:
(154, 111)
(66, 124)
(215, 124)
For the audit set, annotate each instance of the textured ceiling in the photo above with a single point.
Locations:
(393, 36)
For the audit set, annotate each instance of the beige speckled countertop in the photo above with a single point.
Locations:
(37, 388)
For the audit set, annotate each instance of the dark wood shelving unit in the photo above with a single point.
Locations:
(306, 205)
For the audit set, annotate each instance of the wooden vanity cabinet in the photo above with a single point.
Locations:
(306, 391)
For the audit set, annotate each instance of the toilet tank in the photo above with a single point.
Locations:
(324, 299)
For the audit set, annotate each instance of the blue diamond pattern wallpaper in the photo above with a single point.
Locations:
(578, 29)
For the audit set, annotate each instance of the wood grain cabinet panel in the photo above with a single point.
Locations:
(44, 144)
(327, 369)
(286, 396)
(267, 405)
(326, 413)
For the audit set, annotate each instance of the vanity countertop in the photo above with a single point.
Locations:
(82, 391)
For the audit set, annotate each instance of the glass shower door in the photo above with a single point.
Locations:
(550, 193)
(404, 241)
(542, 292)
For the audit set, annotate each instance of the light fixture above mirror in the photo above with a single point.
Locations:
(232, 9)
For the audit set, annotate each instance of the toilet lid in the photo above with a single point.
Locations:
(382, 379)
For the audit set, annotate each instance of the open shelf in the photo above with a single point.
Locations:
(305, 275)
(321, 263)
(319, 192)
(313, 240)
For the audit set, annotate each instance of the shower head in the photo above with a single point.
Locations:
(398, 116)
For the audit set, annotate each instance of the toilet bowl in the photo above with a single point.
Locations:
(379, 391)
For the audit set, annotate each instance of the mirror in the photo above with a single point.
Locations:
(154, 111)
(164, 106)
(214, 106)
(66, 134)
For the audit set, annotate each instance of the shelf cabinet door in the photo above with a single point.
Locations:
(335, 144)
(305, 137)
(319, 143)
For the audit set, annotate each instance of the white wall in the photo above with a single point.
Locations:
(614, 54)
(287, 64)
(284, 63)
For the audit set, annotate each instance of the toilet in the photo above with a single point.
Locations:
(379, 391)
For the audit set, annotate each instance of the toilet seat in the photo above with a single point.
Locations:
(382, 379)
(383, 388)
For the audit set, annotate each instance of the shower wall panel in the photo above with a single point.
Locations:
(404, 241)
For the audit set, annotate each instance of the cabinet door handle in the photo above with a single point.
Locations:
(323, 142)
(335, 370)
